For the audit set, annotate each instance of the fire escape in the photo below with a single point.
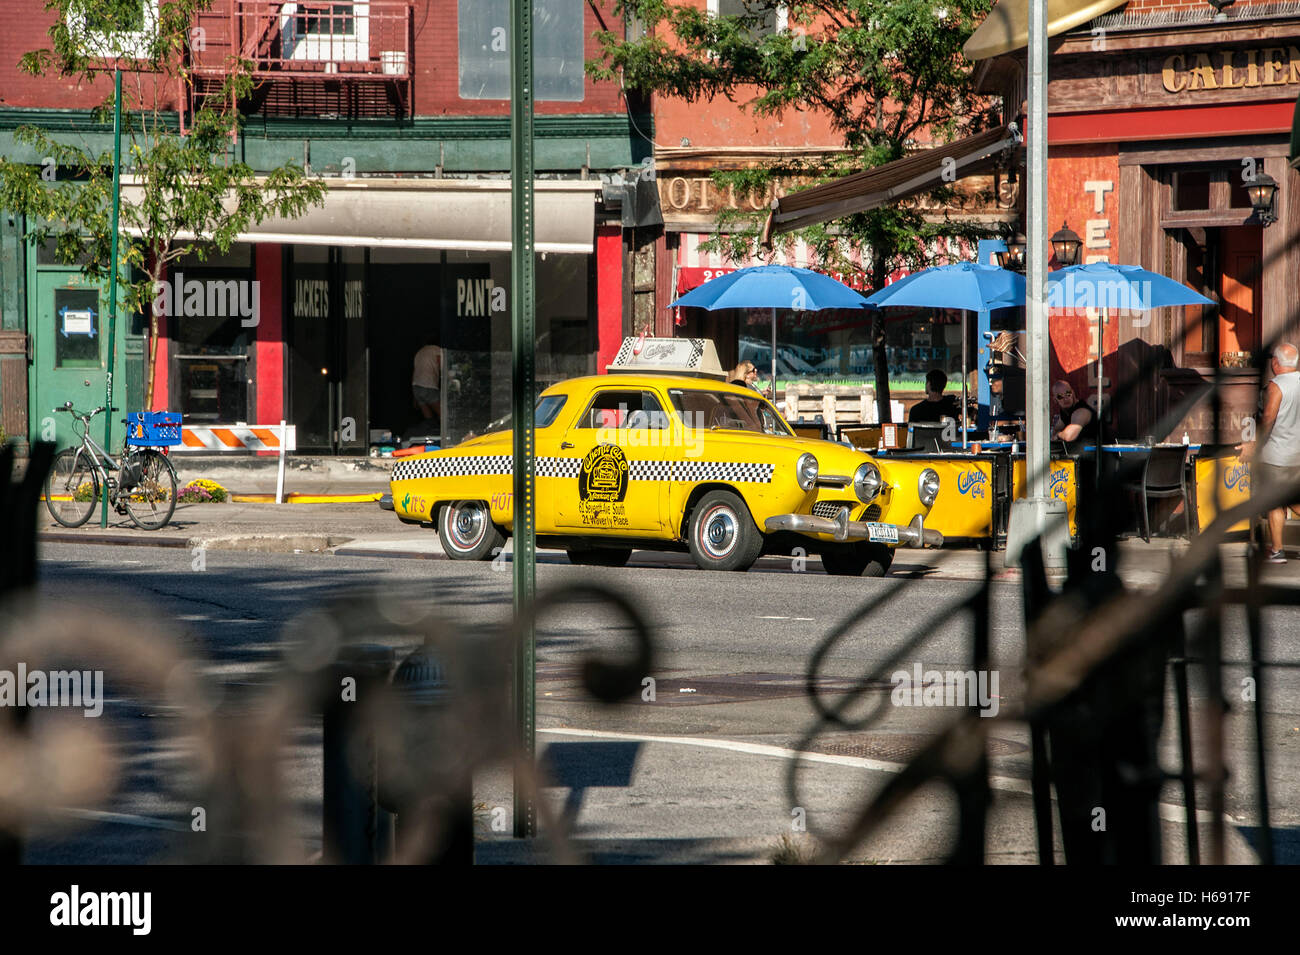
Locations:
(307, 58)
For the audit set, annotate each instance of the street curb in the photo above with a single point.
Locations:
(73, 537)
(272, 543)
(398, 554)
(248, 543)
(304, 497)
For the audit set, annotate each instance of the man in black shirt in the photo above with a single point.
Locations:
(936, 405)
(1074, 419)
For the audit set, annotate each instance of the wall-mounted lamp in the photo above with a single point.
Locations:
(1066, 244)
(1263, 191)
(1014, 257)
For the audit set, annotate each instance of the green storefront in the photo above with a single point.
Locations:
(53, 339)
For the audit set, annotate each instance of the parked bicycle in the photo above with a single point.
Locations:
(142, 485)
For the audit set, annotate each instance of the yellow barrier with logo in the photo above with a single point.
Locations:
(1062, 484)
(964, 507)
(1221, 483)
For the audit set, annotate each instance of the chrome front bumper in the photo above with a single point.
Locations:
(915, 534)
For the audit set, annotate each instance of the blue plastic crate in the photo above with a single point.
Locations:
(151, 429)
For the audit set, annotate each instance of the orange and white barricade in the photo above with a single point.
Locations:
(247, 438)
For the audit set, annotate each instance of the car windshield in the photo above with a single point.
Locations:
(548, 406)
(723, 410)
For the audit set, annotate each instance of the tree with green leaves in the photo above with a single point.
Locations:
(192, 195)
(888, 74)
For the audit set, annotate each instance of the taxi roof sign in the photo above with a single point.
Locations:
(677, 356)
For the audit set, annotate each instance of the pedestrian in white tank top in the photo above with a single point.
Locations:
(1277, 460)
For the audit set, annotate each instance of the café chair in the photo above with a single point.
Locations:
(1164, 474)
(929, 436)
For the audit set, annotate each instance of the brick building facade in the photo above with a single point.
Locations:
(402, 107)
(1160, 116)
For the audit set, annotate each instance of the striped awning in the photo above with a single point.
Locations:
(920, 172)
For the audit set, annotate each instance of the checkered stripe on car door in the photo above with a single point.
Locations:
(459, 466)
(486, 465)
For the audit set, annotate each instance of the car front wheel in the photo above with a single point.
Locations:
(722, 534)
(467, 532)
(859, 559)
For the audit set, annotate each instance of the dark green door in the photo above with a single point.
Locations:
(70, 355)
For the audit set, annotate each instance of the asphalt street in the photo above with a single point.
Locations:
(699, 772)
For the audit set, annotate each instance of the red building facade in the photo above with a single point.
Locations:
(402, 107)
(695, 139)
(1160, 117)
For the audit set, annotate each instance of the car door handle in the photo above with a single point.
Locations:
(565, 445)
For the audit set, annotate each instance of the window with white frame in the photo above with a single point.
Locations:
(775, 15)
(325, 30)
(114, 29)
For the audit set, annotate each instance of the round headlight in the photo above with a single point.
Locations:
(805, 470)
(928, 486)
(867, 482)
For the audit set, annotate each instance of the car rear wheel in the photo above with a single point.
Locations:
(600, 556)
(722, 533)
(467, 532)
(859, 559)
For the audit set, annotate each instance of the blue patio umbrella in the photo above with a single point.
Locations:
(1107, 287)
(774, 287)
(966, 285)
(1104, 286)
(970, 286)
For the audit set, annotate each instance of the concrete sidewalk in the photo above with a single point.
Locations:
(253, 474)
(360, 530)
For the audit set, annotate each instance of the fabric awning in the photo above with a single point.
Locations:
(1007, 26)
(454, 214)
(872, 188)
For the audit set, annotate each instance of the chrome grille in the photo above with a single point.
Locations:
(873, 513)
(831, 509)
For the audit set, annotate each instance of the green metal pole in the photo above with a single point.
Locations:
(522, 326)
(112, 284)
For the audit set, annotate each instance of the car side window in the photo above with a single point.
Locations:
(624, 410)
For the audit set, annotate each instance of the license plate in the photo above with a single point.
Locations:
(882, 533)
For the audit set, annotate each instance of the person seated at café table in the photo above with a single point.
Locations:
(936, 406)
(746, 375)
(1074, 419)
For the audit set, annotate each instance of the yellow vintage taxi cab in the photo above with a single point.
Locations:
(671, 462)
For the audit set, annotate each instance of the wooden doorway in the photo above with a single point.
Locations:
(1239, 255)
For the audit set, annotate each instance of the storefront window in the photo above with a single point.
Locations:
(1192, 189)
(836, 347)
(458, 304)
(211, 308)
(483, 34)
(1218, 186)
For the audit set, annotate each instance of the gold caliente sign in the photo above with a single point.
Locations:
(1231, 69)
